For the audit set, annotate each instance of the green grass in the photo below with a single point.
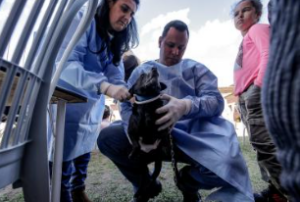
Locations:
(13, 196)
(106, 184)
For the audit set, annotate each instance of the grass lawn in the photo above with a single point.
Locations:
(106, 184)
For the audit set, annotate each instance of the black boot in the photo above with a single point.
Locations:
(79, 195)
(271, 194)
(191, 197)
(148, 192)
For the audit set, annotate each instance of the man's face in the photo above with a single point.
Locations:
(172, 46)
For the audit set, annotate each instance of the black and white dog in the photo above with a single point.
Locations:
(142, 129)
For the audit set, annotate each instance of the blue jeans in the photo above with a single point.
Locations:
(114, 144)
(74, 173)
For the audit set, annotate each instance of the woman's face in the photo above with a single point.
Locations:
(121, 13)
(245, 16)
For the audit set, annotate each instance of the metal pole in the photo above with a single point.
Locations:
(10, 24)
(58, 151)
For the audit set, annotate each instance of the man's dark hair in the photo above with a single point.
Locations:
(130, 63)
(178, 25)
(107, 112)
(122, 41)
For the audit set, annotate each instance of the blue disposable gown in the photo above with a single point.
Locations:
(84, 71)
(202, 134)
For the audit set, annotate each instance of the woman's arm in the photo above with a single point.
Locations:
(260, 37)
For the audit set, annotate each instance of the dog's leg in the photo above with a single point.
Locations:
(157, 169)
(135, 149)
(133, 131)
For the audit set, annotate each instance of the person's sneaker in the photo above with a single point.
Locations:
(79, 195)
(152, 191)
(277, 197)
(191, 197)
(271, 194)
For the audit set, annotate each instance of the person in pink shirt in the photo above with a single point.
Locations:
(249, 70)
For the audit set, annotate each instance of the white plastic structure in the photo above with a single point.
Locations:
(25, 90)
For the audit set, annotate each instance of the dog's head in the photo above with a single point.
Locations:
(148, 84)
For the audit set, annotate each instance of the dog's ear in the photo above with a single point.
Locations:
(135, 87)
(162, 86)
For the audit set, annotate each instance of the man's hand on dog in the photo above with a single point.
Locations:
(173, 110)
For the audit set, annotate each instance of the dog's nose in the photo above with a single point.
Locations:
(154, 71)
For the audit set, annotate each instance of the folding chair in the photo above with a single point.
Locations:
(25, 90)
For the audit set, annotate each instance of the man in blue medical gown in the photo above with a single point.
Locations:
(205, 141)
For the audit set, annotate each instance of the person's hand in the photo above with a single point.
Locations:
(173, 111)
(117, 92)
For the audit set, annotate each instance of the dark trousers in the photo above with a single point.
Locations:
(114, 144)
(252, 116)
(74, 173)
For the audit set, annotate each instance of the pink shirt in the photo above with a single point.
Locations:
(255, 58)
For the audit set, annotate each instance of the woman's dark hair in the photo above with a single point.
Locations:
(122, 41)
(255, 3)
(178, 25)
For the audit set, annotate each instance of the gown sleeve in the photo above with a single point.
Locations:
(207, 101)
(75, 71)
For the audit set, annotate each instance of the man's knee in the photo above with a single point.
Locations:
(111, 138)
(104, 138)
(193, 178)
